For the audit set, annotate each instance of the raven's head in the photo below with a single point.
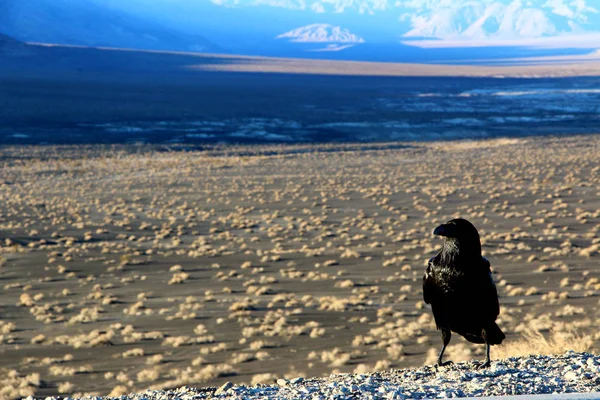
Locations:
(460, 232)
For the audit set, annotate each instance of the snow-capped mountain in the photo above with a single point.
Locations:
(451, 19)
(321, 33)
(512, 19)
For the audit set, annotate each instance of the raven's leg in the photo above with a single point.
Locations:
(446, 335)
(487, 362)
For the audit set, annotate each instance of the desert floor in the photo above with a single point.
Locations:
(130, 267)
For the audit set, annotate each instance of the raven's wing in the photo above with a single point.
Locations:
(489, 293)
(432, 294)
(494, 334)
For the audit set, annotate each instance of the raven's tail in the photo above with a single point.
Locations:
(494, 334)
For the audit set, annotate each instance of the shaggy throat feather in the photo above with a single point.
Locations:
(450, 250)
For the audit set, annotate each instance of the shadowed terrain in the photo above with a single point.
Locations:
(60, 95)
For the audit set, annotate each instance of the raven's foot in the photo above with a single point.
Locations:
(486, 364)
(444, 364)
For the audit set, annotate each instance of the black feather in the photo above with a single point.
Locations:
(459, 286)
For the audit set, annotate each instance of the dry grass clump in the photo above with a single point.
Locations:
(14, 385)
(137, 352)
(50, 361)
(277, 323)
(239, 358)
(86, 315)
(95, 338)
(379, 366)
(395, 333)
(6, 332)
(263, 379)
(119, 391)
(262, 355)
(38, 339)
(186, 310)
(155, 359)
(217, 348)
(179, 277)
(148, 375)
(261, 344)
(131, 336)
(333, 303)
(557, 341)
(200, 330)
(61, 370)
(334, 358)
(260, 290)
(395, 351)
(177, 377)
(26, 300)
(65, 387)
(178, 341)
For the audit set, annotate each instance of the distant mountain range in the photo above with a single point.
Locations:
(452, 19)
(321, 33)
(91, 23)
(377, 30)
(6, 41)
(13, 47)
(508, 19)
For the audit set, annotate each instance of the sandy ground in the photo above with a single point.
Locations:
(533, 67)
(124, 268)
(545, 68)
(44, 58)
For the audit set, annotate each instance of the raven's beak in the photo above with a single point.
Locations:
(446, 230)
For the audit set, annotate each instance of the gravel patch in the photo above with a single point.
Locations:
(569, 373)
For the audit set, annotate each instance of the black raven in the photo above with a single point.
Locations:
(459, 286)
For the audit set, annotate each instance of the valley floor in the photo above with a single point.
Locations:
(70, 95)
(133, 267)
